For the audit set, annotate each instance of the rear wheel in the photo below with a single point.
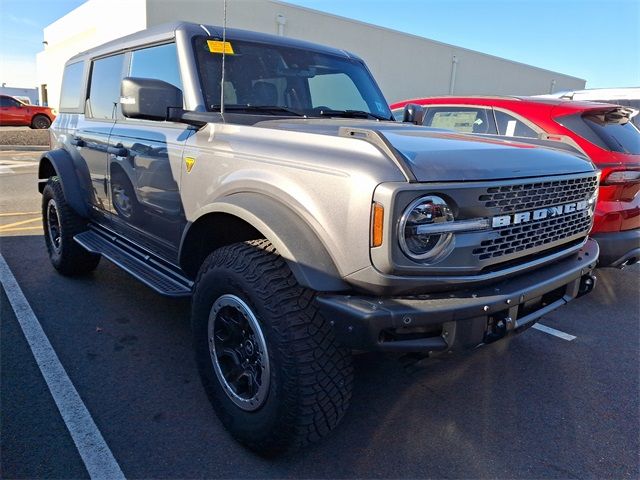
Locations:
(40, 122)
(61, 223)
(124, 198)
(268, 360)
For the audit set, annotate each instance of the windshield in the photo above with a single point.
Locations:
(295, 81)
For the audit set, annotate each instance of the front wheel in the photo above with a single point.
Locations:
(267, 358)
(40, 122)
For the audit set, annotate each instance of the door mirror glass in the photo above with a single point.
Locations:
(148, 98)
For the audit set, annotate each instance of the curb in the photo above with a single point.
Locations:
(25, 148)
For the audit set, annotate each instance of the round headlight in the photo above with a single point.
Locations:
(419, 236)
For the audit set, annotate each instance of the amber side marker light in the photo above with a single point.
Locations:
(377, 220)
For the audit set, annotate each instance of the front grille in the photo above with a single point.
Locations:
(512, 239)
(513, 198)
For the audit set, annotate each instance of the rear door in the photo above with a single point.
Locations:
(145, 160)
(511, 125)
(91, 138)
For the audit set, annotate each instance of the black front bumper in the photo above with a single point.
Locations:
(618, 249)
(461, 318)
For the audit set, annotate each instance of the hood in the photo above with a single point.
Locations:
(435, 155)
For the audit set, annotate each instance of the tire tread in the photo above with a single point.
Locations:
(317, 373)
(74, 259)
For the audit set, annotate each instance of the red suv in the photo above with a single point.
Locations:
(601, 131)
(14, 112)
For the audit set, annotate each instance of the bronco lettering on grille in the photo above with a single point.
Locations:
(542, 213)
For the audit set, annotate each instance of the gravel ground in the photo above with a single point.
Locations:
(26, 136)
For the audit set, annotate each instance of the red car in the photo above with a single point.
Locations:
(14, 112)
(602, 132)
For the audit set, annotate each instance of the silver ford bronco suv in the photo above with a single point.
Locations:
(266, 178)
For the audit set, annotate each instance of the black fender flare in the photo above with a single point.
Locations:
(295, 240)
(59, 163)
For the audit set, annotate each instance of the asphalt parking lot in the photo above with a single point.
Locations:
(535, 406)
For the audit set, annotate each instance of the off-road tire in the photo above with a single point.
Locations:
(40, 122)
(68, 257)
(311, 376)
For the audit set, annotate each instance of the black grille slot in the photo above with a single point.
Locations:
(513, 198)
(519, 238)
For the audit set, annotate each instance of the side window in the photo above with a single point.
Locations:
(461, 119)
(159, 62)
(104, 92)
(510, 126)
(8, 102)
(335, 91)
(70, 95)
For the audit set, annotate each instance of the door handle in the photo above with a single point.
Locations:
(78, 142)
(118, 150)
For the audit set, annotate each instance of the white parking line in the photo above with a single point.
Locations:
(554, 332)
(95, 453)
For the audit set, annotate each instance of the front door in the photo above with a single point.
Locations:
(10, 111)
(145, 161)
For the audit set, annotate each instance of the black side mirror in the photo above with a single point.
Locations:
(413, 113)
(148, 98)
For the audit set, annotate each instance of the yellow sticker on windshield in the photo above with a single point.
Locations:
(216, 46)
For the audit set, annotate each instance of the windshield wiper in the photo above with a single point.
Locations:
(352, 114)
(258, 108)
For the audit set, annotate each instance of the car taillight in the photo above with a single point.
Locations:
(621, 176)
(620, 185)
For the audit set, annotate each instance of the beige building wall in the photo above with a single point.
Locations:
(405, 66)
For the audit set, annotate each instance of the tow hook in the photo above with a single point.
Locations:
(497, 328)
(587, 283)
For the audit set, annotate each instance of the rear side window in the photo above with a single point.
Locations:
(104, 92)
(609, 134)
(71, 92)
(461, 119)
(510, 126)
(159, 62)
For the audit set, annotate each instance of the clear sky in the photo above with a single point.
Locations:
(598, 40)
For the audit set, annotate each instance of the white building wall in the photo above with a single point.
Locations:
(405, 66)
(91, 24)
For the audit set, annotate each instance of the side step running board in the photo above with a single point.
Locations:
(150, 271)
